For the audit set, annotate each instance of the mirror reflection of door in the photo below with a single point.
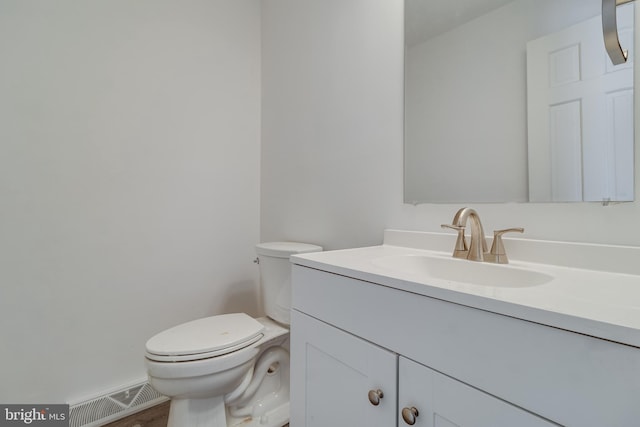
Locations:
(466, 135)
(580, 115)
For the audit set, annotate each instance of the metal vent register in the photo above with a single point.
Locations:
(97, 412)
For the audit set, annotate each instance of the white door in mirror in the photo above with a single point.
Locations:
(580, 115)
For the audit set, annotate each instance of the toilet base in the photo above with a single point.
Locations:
(197, 412)
(209, 413)
(277, 417)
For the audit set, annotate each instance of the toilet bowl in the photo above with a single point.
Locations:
(231, 369)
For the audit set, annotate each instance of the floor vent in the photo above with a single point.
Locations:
(99, 411)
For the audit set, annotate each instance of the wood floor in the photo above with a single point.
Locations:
(156, 416)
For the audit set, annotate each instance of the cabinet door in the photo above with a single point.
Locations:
(332, 374)
(441, 401)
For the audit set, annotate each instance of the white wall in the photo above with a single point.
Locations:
(129, 182)
(332, 137)
(332, 132)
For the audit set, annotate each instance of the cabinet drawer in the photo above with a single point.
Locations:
(572, 379)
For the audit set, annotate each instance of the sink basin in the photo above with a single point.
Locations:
(464, 271)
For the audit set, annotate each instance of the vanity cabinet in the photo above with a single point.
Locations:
(348, 381)
(440, 401)
(339, 371)
(457, 365)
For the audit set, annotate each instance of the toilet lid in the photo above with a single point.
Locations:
(208, 337)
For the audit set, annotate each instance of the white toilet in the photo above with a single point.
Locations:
(231, 369)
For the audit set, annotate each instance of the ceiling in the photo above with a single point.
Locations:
(425, 19)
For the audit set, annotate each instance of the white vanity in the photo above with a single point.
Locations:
(404, 334)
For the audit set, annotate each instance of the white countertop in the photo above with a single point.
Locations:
(598, 303)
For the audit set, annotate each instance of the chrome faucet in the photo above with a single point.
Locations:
(477, 249)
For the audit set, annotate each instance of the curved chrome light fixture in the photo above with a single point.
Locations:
(610, 31)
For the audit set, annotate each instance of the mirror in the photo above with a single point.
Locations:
(501, 103)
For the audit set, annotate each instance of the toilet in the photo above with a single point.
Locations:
(231, 369)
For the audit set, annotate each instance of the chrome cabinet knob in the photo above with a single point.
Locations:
(409, 415)
(375, 396)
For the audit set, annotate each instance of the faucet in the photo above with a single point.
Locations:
(478, 243)
(477, 250)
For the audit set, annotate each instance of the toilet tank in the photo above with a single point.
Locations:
(275, 276)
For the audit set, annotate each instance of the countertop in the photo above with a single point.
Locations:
(598, 303)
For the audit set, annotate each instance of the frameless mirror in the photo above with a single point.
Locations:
(516, 101)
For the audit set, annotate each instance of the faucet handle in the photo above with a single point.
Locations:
(461, 250)
(497, 253)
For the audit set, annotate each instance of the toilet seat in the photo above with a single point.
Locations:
(205, 338)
